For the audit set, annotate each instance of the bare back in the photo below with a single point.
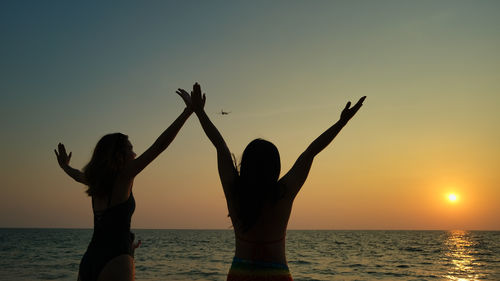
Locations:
(265, 240)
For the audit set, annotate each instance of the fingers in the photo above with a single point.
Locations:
(347, 105)
(61, 153)
(179, 92)
(184, 95)
(182, 92)
(196, 93)
(197, 88)
(62, 149)
(359, 103)
(361, 100)
(197, 98)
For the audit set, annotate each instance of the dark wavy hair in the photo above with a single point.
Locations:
(257, 182)
(107, 161)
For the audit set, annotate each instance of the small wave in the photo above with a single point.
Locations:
(141, 268)
(54, 276)
(195, 272)
(395, 274)
(300, 262)
(412, 249)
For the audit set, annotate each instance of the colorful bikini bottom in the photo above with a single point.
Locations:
(248, 270)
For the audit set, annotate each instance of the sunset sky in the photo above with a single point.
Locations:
(72, 72)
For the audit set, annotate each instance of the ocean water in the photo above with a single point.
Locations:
(54, 254)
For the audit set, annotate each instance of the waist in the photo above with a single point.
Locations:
(112, 237)
(267, 251)
(112, 223)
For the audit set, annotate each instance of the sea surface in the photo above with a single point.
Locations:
(54, 254)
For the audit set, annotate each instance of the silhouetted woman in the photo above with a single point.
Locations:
(260, 203)
(109, 176)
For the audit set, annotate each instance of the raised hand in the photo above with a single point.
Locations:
(197, 99)
(62, 157)
(348, 113)
(185, 97)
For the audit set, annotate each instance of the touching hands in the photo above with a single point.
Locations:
(195, 101)
(348, 113)
(62, 157)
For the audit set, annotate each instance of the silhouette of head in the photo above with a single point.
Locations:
(110, 155)
(257, 183)
(260, 164)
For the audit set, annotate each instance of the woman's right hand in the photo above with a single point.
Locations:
(62, 157)
(197, 99)
(349, 111)
(186, 98)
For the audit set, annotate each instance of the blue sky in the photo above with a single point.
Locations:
(74, 71)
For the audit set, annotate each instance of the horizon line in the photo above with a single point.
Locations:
(228, 229)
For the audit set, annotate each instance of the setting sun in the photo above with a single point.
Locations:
(452, 197)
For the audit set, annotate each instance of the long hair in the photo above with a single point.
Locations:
(107, 161)
(257, 182)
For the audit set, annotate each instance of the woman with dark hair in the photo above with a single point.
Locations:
(260, 203)
(109, 176)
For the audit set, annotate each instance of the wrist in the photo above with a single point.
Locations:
(187, 110)
(343, 121)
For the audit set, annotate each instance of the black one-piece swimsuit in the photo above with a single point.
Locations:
(111, 238)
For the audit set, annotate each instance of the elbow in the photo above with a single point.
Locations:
(82, 180)
(310, 153)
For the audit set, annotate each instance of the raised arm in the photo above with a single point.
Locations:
(63, 160)
(227, 171)
(295, 178)
(163, 141)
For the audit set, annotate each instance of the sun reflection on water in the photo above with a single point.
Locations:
(459, 251)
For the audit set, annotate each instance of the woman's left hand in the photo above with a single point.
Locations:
(198, 98)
